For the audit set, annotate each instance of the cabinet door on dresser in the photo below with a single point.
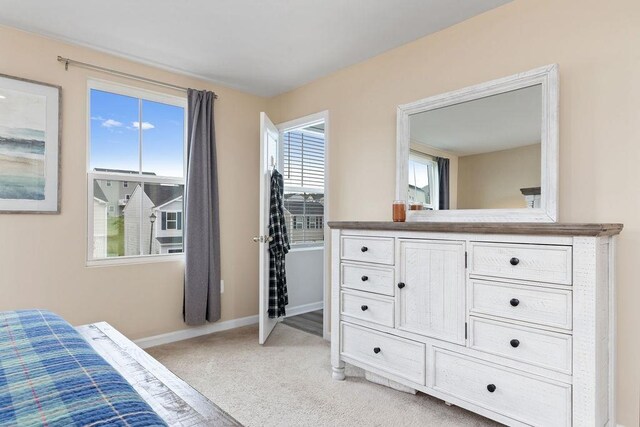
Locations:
(431, 292)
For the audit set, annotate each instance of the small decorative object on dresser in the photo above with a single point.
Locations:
(399, 211)
(514, 321)
(29, 146)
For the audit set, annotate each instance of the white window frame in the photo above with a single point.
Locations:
(434, 195)
(139, 178)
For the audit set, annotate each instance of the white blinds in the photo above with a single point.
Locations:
(304, 160)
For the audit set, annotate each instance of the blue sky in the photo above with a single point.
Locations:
(115, 128)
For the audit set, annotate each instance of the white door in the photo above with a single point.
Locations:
(430, 295)
(269, 155)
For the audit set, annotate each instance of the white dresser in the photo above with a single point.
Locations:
(512, 321)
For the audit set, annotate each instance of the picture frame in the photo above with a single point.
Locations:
(30, 138)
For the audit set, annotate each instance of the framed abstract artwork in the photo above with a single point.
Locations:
(29, 146)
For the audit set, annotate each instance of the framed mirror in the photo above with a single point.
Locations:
(486, 153)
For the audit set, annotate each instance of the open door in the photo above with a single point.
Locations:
(269, 157)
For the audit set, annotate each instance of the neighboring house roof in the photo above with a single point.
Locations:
(169, 240)
(162, 194)
(98, 193)
(158, 194)
(297, 207)
(179, 198)
(122, 171)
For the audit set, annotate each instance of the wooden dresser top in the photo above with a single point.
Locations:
(529, 228)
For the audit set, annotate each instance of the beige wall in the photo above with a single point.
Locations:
(595, 44)
(453, 168)
(42, 257)
(493, 180)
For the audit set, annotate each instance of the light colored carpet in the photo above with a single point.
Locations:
(288, 383)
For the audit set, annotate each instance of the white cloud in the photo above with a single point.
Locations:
(145, 125)
(110, 123)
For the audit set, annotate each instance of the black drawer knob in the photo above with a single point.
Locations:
(401, 285)
(364, 307)
(491, 388)
(364, 249)
(514, 343)
(376, 350)
(364, 278)
(514, 261)
(514, 302)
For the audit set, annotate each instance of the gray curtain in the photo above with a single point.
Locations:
(202, 220)
(443, 183)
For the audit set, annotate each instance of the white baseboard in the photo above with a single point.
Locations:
(185, 334)
(304, 308)
(196, 331)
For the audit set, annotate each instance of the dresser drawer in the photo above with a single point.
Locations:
(539, 263)
(369, 278)
(526, 398)
(544, 306)
(372, 308)
(397, 356)
(379, 250)
(546, 349)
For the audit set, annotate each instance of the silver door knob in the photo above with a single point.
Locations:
(258, 239)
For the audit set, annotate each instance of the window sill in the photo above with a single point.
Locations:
(132, 260)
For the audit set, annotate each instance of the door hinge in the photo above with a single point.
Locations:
(465, 330)
(465, 259)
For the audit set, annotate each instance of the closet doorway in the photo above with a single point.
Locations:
(299, 151)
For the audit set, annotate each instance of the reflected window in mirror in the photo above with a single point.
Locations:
(423, 180)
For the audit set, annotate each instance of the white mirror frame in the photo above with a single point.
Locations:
(548, 212)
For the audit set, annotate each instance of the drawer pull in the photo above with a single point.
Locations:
(376, 350)
(401, 285)
(491, 388)
(364, 307)
(514, 261)
(514, 343)
(364, 278)
(514, 302)
(364, 249)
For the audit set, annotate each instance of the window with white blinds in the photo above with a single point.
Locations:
(304, 186)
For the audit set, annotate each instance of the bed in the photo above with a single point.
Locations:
(56, 375)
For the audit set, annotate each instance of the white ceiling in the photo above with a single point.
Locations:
(500, 122)
(265, 47)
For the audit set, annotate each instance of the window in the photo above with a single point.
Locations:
(304, 184)
(423, 180)
(296, 222)
(137, 142)
(172, 220)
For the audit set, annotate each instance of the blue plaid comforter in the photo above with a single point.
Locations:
(50, 376)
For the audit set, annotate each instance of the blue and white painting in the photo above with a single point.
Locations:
(22, 145)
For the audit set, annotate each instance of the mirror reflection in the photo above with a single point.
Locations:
(481, 154)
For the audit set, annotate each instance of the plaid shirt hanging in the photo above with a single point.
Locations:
(278, 248)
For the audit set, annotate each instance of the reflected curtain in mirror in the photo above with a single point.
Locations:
(443, 182)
